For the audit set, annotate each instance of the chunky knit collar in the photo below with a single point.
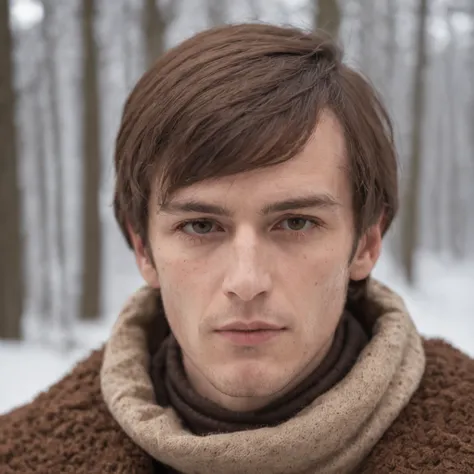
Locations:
(202, 416)
(333, 434)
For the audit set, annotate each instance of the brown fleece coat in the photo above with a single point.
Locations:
(68, 429)
(332, 434)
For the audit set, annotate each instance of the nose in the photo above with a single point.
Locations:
(248, 272)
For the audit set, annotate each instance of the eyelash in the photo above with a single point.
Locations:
(298, 234)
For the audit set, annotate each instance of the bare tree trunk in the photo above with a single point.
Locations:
(127, 47)
(154, 26)
(366, 36)
(92, 235)
(390, 52)
(216, 12)
(456, 222)
(255, 10)
(328, 16)
(55, 187)
(471, 124)
(45, 306)
(411, 211)
(437, 205)
(11, 285)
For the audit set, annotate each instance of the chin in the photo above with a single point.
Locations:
(252, 380)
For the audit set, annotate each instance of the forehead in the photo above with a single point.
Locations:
(321, 166)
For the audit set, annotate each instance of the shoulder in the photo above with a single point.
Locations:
(69, 429)
(435, 432)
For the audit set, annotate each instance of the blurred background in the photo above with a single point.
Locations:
(65, 70)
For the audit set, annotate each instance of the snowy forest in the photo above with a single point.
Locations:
(65, 71)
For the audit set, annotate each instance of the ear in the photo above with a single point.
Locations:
(144, 260)
(367, 253)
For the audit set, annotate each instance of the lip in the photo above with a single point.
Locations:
(250, 326)
(251, 333)
(250, 338)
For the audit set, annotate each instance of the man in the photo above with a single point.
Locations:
(255, 178)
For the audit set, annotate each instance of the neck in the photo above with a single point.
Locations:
(206, 389)
(329, 423)
(202, 414)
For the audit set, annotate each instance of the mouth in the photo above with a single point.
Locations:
(250, 334)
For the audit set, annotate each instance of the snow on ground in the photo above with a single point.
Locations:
(442, 306)
(27, 369)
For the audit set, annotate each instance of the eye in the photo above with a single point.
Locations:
(198, 227)
(297, 224)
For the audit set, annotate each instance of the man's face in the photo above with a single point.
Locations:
(254, 268)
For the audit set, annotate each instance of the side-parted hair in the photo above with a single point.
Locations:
(241, 97)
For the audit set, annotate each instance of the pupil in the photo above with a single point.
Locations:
(297, 223)
(202, 227)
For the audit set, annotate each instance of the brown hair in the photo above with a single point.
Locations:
(241, 97)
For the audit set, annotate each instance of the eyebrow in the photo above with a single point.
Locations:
(321, 201)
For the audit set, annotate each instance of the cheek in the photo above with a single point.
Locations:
(173, 269)
(181, 318)
(325, 280)
(183, 296)
(326, 264)
(331, 284)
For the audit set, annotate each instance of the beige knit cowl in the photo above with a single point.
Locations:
(331, 435)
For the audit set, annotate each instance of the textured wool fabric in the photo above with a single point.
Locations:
(435, 433)
(202, 416)
(332, 435)
(68, 429)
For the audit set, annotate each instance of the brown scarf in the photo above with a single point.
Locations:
(333, 434)
(202, 416)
